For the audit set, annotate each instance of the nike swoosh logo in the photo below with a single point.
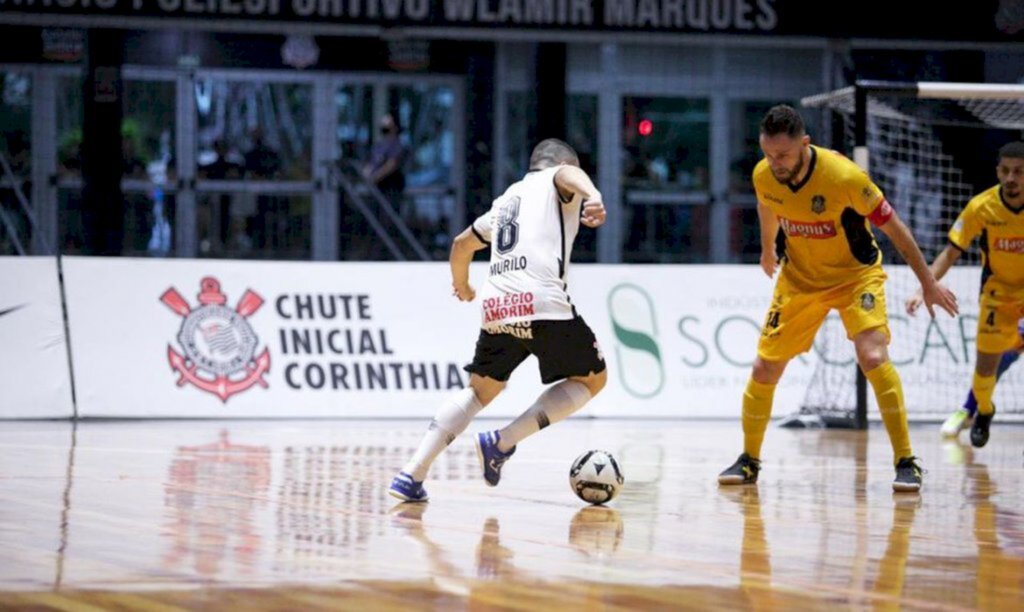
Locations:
(12, 309)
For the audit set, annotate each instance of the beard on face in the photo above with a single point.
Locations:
(792, 174)
(1010, 186)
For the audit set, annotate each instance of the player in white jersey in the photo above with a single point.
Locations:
(526, 311)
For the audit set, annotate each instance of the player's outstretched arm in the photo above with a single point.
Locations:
(463, 247)
(939, 267)
(570, 181)
(769, 230)
(932, 292)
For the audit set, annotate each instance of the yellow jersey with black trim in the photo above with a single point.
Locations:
(824, 238)
(1000, 230)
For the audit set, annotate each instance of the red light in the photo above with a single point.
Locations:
(645, 128)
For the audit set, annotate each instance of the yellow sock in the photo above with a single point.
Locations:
(889, 392)
(757, 409)
(984, 387)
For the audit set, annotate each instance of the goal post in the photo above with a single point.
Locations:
(930, 146)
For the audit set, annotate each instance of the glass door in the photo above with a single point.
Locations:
(16, 170)
(149, 173)
(426, 114)
(665, 179)
(404, 137)
(253, 166)
(148, 166)
(227, 164)
(69, 118)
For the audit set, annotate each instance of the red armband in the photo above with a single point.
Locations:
(882, 213)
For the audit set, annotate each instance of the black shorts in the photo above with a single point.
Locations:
(563, 348)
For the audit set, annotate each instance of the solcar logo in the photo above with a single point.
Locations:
(637, 353)
(219, 344)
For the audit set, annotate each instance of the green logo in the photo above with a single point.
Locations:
(633, 320)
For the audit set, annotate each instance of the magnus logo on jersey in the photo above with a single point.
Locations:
(1013, 244)
(218, 343)
(804, 229)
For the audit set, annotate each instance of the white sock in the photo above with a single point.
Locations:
(455, 414)
(555, 404)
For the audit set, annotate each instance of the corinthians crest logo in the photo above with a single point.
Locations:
(218, 342)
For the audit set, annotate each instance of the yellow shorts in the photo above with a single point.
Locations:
(1000, 310)
(795, 315)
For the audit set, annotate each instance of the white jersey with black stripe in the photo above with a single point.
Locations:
(531, 231)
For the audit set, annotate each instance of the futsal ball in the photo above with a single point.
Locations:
(595, 477)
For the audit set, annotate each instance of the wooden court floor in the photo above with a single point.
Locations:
(293, 515)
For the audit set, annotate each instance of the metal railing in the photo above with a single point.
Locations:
(377, 210)
(7, 219)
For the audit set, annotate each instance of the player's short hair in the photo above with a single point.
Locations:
(783, 119)
(552, 152)
(1012, 150)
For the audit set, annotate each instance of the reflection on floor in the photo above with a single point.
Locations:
(207, 515)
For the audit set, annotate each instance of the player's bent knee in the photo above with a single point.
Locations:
(871, 359)
(872, 348)
(486, 389)
(594, 382)
(767, 372)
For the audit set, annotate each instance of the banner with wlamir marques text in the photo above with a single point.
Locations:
(989, 20)
(216, 339)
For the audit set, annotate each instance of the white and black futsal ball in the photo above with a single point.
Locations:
(595, 477)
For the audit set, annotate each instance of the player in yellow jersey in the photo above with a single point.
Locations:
(814, 206)
(996, 217)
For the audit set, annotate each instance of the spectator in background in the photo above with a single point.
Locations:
(270, 225)
(131, 163)
(384, 168)
(261, 161)
(17, 151)
(220, 168)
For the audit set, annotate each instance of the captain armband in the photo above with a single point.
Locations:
(882, 213)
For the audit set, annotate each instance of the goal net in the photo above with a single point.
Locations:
(930, 147)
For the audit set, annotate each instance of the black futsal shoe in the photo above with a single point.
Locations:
(979, 430)
(744, 471)
(908, 475)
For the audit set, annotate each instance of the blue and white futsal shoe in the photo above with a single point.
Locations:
(406, 489)
(490, 457)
